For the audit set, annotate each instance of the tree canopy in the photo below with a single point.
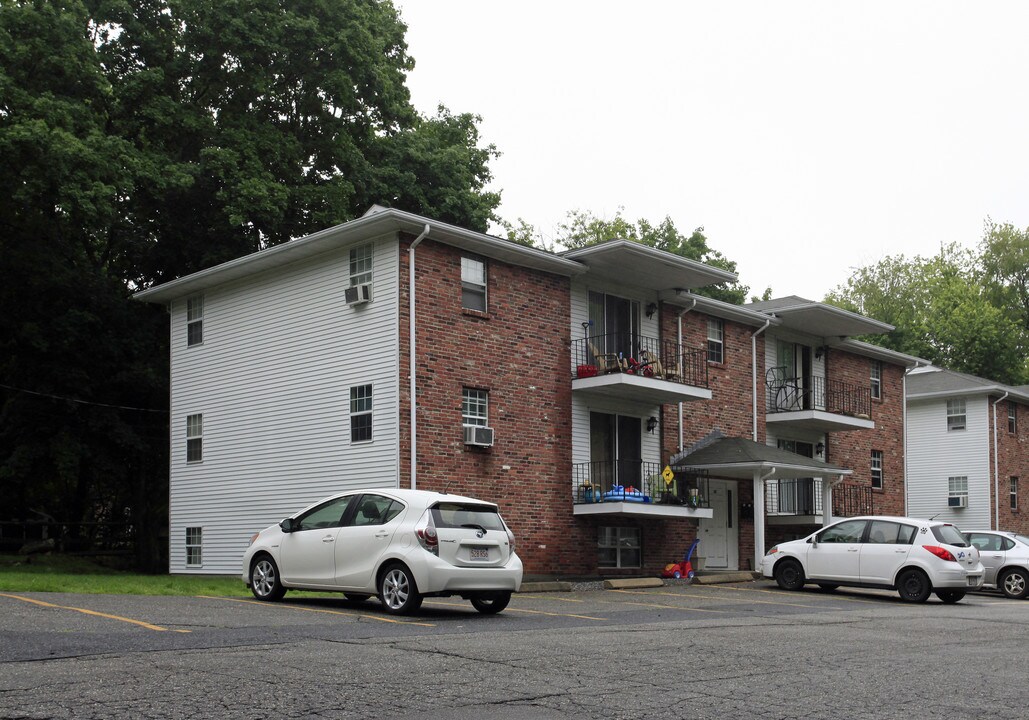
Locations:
(144, 140)
(959, 309)
(582, 228)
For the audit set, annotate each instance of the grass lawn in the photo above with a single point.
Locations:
(60, 573)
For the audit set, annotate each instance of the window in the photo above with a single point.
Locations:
(715, 340)
(881, 532)
(877, 469)
(195, 320)
(194, 438)
(955, 414)
(876, 371)
(360, 265)
(375, 510)
(361, 413)
(194, 542)
(473, 284)
(619, 547)
(849, 531)
(1012, 417)
(327, 515)
(1014, 492)
(474, 407)
(957, 488)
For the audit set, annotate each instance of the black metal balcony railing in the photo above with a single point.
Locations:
(636, 481)
(803, 496)
(639, 355)
(789, 394)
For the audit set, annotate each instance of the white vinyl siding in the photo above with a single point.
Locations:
(274, 385)
(935, 454)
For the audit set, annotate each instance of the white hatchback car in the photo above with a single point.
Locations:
(400, 545)
(914, 557)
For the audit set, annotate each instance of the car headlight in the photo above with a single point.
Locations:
(253, 538)
(773, 551)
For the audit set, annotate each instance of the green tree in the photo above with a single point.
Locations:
(143, 140)
(942, 312)
(1004, 263)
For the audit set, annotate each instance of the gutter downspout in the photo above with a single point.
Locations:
(679, 345)
(996, 464)
(414, 373)
(753, 371)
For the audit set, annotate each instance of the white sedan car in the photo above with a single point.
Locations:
(915, 557)
(1005, 556)
(400, 545)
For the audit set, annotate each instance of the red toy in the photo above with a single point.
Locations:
(682, 569)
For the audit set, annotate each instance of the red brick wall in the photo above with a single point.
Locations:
(853, 449)
(1013, 461)
(519, 352)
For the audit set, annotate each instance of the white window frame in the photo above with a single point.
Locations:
(957, 486)
(956, 415)
(1013, 491)
(716, 340)
(876, 378)
(473, 283)
(194, 546)
(474, 407)
(195, 320)
(195, 438)
(877, 469)
(361, 397)
(623, 541)
(361, 260)
(1012, 417)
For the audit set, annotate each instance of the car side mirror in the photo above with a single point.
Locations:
(287, 525)
(813, 540)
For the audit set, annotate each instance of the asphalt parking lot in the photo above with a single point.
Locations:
(744, 649)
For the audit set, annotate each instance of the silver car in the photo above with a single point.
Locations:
(1005, 555)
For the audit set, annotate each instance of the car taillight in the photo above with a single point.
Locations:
(510, 537)
(941, 553)
(425, 531)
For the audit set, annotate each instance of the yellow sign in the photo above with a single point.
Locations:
(668, 475)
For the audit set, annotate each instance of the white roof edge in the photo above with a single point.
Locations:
(882, 353)
(984, 390)
(639, 248)
(376, 220)
(720, 308)
(808, 304)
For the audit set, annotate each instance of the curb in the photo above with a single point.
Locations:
(628, 583)
(726, 577)
(551, 586)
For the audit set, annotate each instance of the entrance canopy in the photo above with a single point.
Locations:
(739, 458)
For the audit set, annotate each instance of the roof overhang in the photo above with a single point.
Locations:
(630, 263)
(739, 458)
(379, 222)
(826, 321)
(718, 308)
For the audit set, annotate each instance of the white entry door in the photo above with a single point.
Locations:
(719, 535)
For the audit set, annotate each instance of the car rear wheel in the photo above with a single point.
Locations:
(398, 592)
(950, 596)
(491, 603)
(264, 579)
(1015, 583)
(914, 586)
(789, 575)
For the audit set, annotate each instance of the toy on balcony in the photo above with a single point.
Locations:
(619, 493)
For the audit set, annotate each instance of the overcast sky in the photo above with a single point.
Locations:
(807, 138)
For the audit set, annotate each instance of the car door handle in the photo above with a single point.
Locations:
(853, 549)
(328, 538)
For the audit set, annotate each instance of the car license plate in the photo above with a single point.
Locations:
(973, 580)
(479, 553)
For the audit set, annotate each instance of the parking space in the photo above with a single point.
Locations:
(56, 621)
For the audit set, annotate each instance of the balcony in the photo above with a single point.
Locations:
(634, 488)
(817, 403)
(634, 367)
(799, 502)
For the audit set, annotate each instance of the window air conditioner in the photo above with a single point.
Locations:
(957, 501)
(478, 435)
(358, 294)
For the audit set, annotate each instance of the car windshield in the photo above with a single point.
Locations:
(466, 515)
(949, 535)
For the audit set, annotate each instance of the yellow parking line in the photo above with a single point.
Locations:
(757, 602)
(319, 610)
(528, 612)
(548, 597)
(148, 626)
(847, 598)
